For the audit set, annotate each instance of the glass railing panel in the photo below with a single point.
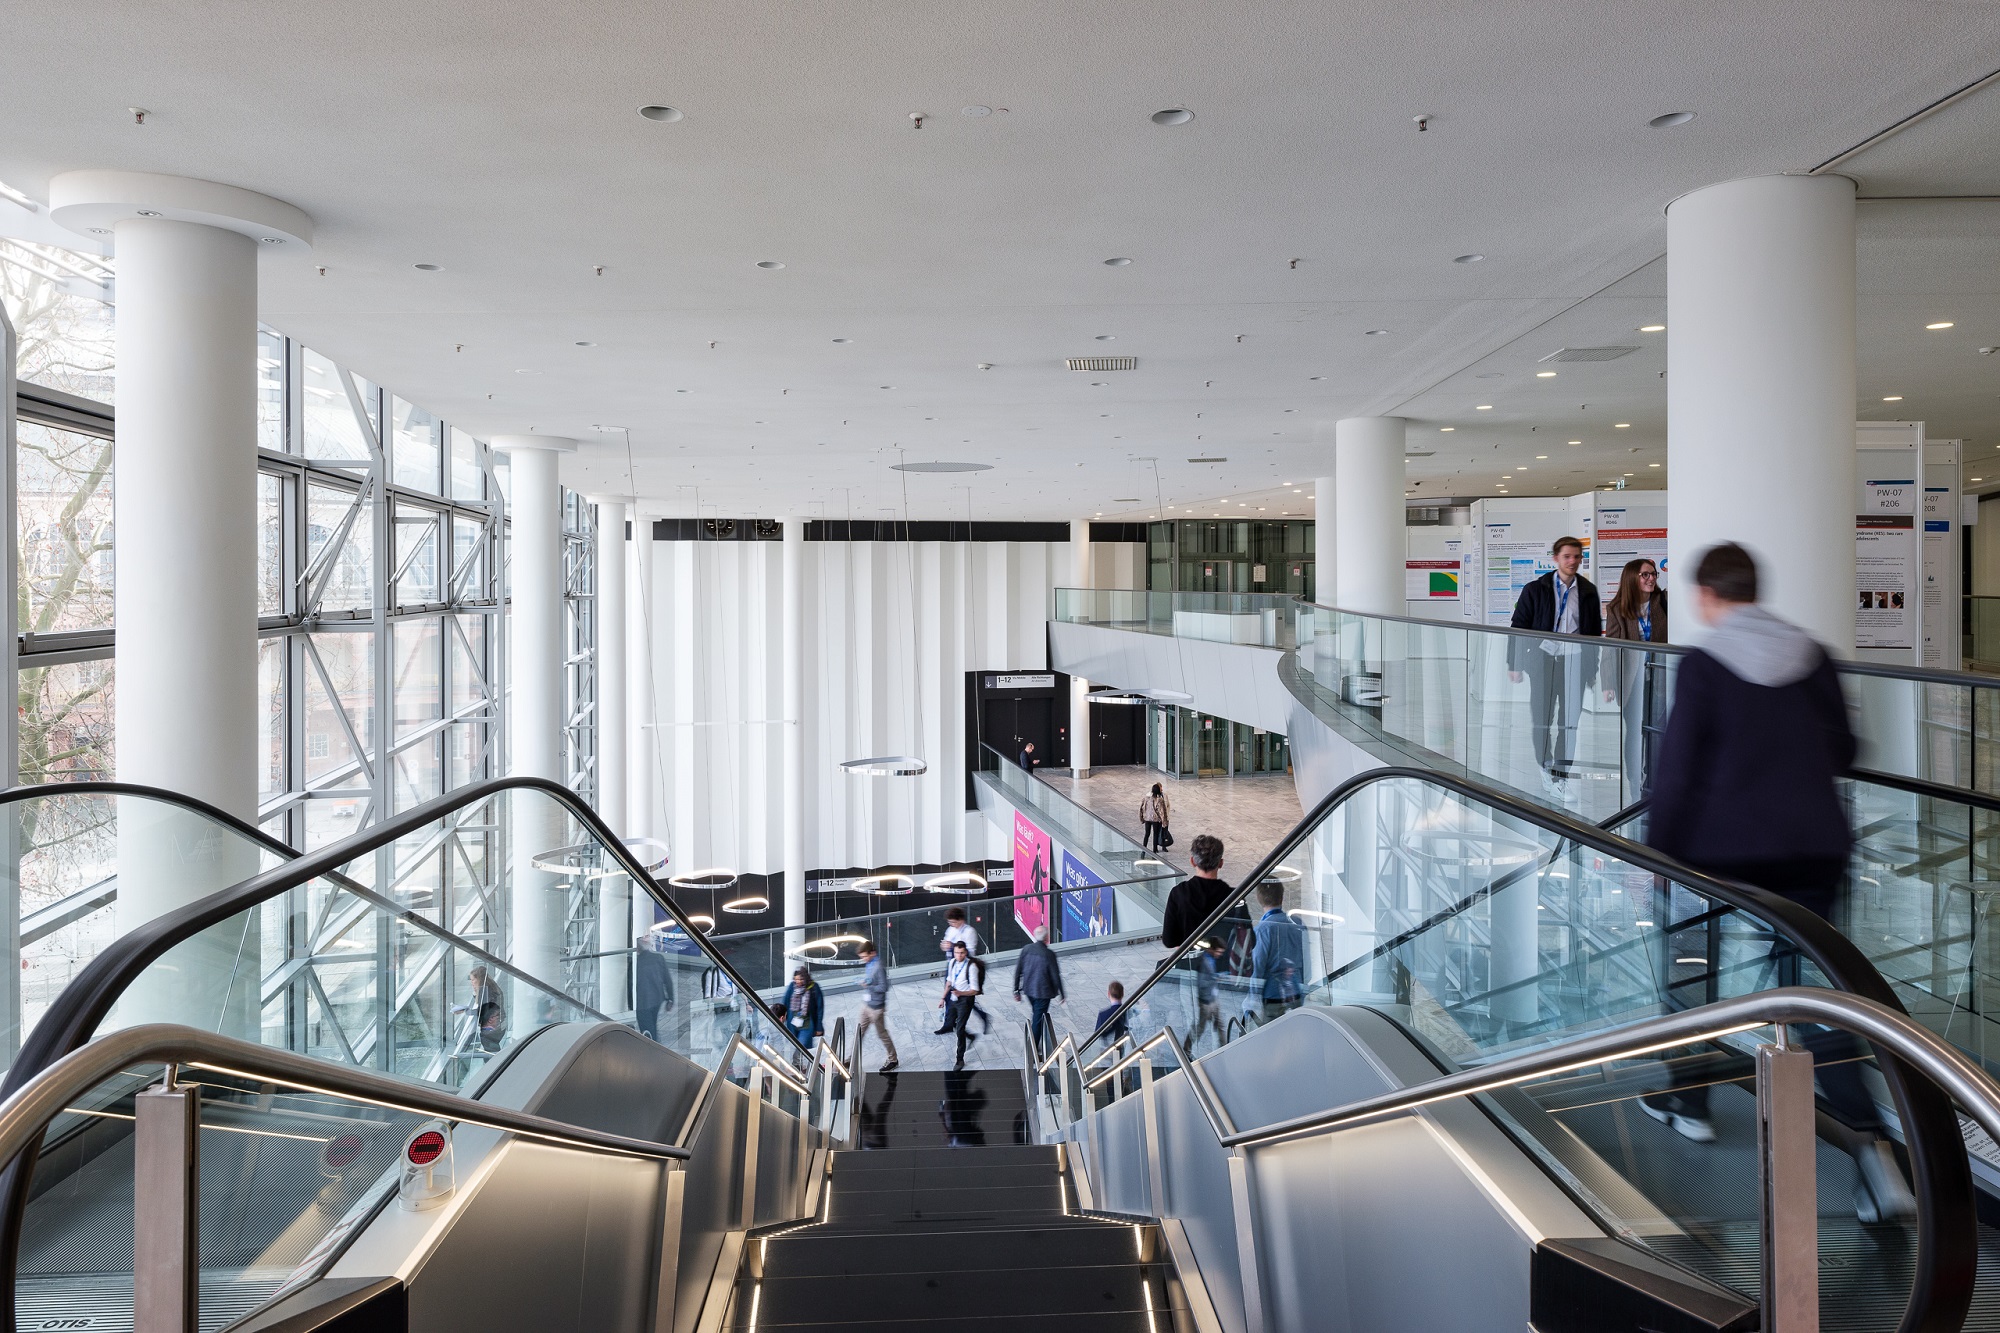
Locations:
(63, 855)
(369, 967)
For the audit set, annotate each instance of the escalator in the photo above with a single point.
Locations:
(1440, 928)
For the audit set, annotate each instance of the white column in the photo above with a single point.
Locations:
(1760, 390)
(642, 818)
(535, 652)
(1369, 527)
(614, 895)
(1326, 553)
(1079, 688)
(185, 490)
(793, 774)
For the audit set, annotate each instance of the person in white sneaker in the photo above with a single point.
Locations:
(1561, 601)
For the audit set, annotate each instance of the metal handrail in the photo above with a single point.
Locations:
(1955, 1074)
(25, 1114)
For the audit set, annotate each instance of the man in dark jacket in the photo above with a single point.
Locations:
(1195, 897)
(1561, 601)
(1038, 978)
(1743, 788)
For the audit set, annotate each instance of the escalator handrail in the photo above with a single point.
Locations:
(25, 1114)
(73, 1018)
(1924, 787)
(101, 787)
(1947, 1249)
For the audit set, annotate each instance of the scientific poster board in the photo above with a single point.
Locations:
(1436, 585)
(1888, 504)
(1630, 525)
(1033, 856)
(1941, 645)
(1088, 904)
(1514, 536)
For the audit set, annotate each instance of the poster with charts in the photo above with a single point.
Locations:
(1033, 857)
(1087, 902)
(1511, 565)
(1888, 508)
(1430, 580)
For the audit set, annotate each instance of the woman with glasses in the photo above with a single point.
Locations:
(1638, 613)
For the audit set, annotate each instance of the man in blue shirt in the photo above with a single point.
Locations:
(874, 1006)
(1208, 1009)
(1279, 960)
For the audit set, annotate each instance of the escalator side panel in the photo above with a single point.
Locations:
(1199, 1193)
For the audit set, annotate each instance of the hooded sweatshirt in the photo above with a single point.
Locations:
(1757, 736)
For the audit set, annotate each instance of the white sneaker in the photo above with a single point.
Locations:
(1548, 783)
(1688, 1127)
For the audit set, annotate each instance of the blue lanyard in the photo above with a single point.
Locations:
(1562, 603)
(1646, 626)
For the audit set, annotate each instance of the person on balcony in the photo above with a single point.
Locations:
(1564, 602)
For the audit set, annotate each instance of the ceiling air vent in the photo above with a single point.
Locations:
(1103, 363)
(1590, 353)
(1208, 460)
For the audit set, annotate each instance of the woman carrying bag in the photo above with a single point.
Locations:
(1155, 813)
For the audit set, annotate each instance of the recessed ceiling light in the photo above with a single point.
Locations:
(1621, 425)
(667, 114)
(1893, 398)
(428, 268)
(975, 111)
(1652, 328)
(1671, 119)
(1173, 115)
(1539, 456)
(769, 264)
(1631, 474)
(586, 344)
(1446, 430)
(1545, 374)
(1120, 262)
(1468, 259)
(1652, 465)
(1576, 441)
(1941, 324)
(1484, 407)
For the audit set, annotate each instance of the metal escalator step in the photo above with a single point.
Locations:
(56, 1300)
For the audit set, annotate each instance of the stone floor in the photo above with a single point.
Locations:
(1250, 814)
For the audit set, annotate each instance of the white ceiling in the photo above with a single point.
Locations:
(503, 143)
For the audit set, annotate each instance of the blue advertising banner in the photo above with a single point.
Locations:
(1089, 912)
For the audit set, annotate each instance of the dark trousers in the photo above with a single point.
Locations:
(957, 1013)
(1038, 1020)
(1555, 700)
(1149, 836)
(1814, 885)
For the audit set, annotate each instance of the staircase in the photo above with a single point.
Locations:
(946, 1219)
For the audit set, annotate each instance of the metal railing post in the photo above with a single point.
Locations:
(1787, 1141)
(166, 1199)
(666, 1291)
(752, 1131)
(1246, 1240)
(1149, 1108)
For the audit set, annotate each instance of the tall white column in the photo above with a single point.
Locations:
(185, 489)
(642, 819)
(1369, 527)
(1079, 688)
(1760, 390)
(535, 653)
(614, 894)
(1326, 556)
(793, 774)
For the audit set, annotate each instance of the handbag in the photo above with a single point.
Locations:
(1166, 837)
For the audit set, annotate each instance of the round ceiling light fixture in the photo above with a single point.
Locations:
(956, 881)
(1173, 115)
(664, 114)
(1468, 259)
(1119, 262)
(749, 905)
(886, 766)
(670, 929)
(941, 467)
(1671, 119)
(826, 951)
(891, 885)
(428, 268)
(715, 877)
(769, 264)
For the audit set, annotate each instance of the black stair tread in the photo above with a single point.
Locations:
(1007, 1291)
(827, 1251)
(971, 1176)
(1043, 1196)
(1122, 1321)
(920, 1156)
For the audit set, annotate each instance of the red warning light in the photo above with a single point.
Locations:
(426, 1148)
(342, 1151)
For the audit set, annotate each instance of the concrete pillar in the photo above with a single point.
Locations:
(642, 819)
(614, 893)
(535, 652)
(1369, 526)
(185, 488)
(1079, 688)
(793, 771)
(1760, 390)
(1326, 553)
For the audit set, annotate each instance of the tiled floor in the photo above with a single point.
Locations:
(1250, 814)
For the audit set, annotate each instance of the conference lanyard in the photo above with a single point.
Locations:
(1562, 604)
(1646, 626)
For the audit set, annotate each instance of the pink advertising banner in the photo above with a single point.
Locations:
(1033, 870)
